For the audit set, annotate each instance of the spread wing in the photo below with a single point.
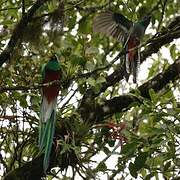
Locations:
(112, 24)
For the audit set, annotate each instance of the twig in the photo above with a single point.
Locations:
(50, 13)
(156, 7)
(88, 9)
(162, 14)
(6, 9)
(111, 153)
(23, 7)
(69, 98)
(26, 88)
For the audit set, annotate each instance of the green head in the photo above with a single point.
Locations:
(53, 64)
(140, 27)
(145, 21)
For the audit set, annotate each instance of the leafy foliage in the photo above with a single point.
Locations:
(138, 141)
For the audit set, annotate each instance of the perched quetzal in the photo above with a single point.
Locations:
(50, 72)
(125, 31)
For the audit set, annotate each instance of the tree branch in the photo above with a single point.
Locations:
(30, 170)
(162, 13)
(120, 103)
(26, 88)
(18, 31)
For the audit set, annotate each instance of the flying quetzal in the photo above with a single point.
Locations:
(50, 72)
(125, 31)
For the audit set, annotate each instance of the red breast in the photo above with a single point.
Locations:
(132, 43)
(51, 91)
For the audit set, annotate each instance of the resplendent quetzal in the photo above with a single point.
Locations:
(50, 72)
(125, 31)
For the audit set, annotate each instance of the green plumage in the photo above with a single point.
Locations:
(50, 72)
(46, 139)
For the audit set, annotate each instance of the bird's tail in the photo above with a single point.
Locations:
(132, 59)
(126, 64)
(46, 133)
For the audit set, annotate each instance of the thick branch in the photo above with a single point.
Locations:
(18, 32)
(30, 170)
(118, 104)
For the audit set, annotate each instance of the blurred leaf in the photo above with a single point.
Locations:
(149, 176)
(132, 169)
(90, 65)
(92, 50)
(85, 25)
(106, 150)
(153, 95)
(100, 80)
(154, 69)
(167, 165)
(23, 101)
(101, 167)
(77, 60)
(91, 81)
(173, 51)
(140, 160)
(129, 148)
(71, 22)
(111, 143)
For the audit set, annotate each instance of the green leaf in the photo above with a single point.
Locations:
(92, 51)
(91, 81)
(149, 176)
(154, 69)
(85, 25)
(111, 143)
(77, 60)
(71, 21)
(153, 95)
(140, 160)
(106, 150)
(90, 65)
(129, 148)
(51, 5)
(138, 163)
(173, 51)
(155, 131)
(23, 101)
(98, 139)
(118, 116)
(167, 166)
(104, 130)
(132, 169)
(100, 80)
(101, 167)
(178, 162)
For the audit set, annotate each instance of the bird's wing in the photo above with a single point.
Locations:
(112, 24)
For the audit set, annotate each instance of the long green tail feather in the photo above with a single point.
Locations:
(46, 139)
(41, 133)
